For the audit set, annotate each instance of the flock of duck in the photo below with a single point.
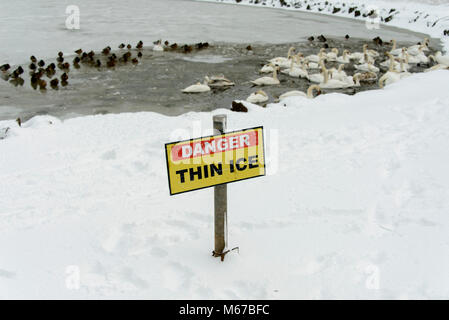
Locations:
(313, 68)
(39, 70)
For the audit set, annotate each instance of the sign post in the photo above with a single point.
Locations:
(215, 161)
(220, 200)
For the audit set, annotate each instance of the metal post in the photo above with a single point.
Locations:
(220, 201)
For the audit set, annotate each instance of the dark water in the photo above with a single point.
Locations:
(155, 83)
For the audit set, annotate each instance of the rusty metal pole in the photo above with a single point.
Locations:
(220, 200)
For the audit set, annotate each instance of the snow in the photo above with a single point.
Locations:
(427, 16)
(354, 204)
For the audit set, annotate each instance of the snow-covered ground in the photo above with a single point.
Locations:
(428, 16)
(354, 204)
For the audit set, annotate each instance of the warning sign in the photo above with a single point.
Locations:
(209, 161)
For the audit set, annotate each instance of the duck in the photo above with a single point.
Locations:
(197, 88)
(79, 51)
(106, 50)
(139, 45)
(121, 46)
(344, 58)
(283, 61)
(267, 81)
(297, 93)
(258, 97)
(54, 83)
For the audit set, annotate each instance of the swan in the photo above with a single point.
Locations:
(218, 81)
(366, 76)
(392, 76)
(437, 67)
(297, 93)
(339, 74)
(317, 57)
(390, 61)
(310, 65)
(441, 59)
(332, 56)
(369, 67)
(268, 68)
(296, 72)
(258, 97)
(266, 81)
(318, 77)
(333, 83)
(395, 51)
(418, 58)
(344, 58)
(158, 46)
(197, 88)
(419, 47)
(283, 60)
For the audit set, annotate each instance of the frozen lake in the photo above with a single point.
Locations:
(38, 27)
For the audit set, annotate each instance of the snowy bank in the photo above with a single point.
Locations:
(427, 16)
(354, 204)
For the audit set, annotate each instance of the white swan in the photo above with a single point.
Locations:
(218, 81)
(392, 76)
(281, 61)
(366, 76)
(333, 83)
(418, 58)
(258, 97)
(297, 93)
(318, 77)
(344, 58)
(441, 59)
(369, 67)
(395, 51)
(339, 74)
(197, 88)
(267, 81)
(437, 67)
(158, 46)
(295, 71)
(268, 68)
(317, 57)
(332, 56)
(415, 49)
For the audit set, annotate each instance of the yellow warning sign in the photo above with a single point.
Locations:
(213, 160)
